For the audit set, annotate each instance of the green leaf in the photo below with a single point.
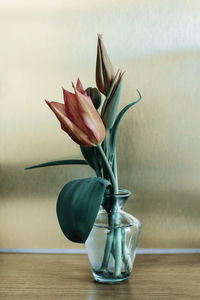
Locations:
(77, 206)
(59, 163)
(113, 132)
(93, 158)
(111, 108)
(109, 93)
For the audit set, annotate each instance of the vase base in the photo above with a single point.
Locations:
(100, 277)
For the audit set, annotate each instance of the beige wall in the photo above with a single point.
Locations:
(45, 46)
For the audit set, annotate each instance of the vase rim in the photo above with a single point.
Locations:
(115, 226)
(122, 193)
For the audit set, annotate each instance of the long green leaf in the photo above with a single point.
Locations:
(113, 133)
(77, 206)
(59, 163)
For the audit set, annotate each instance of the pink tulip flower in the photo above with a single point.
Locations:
(78, 117)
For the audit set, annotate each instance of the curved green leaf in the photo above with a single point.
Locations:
(59, 163)
(77, 206)
(113, 132)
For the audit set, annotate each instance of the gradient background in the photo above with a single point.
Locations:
(47, 44)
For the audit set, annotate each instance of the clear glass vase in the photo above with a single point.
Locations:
(113, 241)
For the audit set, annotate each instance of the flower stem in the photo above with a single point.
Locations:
(115, 167)
(118, 251)
(114, 220)
(107, 251)
(112, 177)
(125, 253)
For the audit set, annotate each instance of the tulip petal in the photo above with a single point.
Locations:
(91, 118)
(99, 73)
(68, 126)
(73, 111)
(80, 88)
(71, 107)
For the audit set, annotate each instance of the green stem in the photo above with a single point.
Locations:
(125, 253)
(118, 252)
(107, 251)
(112, 177)
(117, 231)
(115, 167)
(98, 173)
(110, 236)
(114, 220)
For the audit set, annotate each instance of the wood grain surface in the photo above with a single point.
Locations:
(42, 276)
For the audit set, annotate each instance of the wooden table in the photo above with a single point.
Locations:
(67, 276)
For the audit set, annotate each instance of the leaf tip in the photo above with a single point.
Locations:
(139, 94)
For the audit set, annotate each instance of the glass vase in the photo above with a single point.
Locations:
(113, 241)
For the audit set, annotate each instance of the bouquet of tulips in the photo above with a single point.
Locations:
(93, 126)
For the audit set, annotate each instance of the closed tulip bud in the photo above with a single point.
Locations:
(104, 69)
(111, 104)
(79, 118)
(95, 96)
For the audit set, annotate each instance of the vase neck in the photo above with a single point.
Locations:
(113, 202)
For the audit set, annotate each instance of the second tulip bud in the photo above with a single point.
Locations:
(104, 69)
